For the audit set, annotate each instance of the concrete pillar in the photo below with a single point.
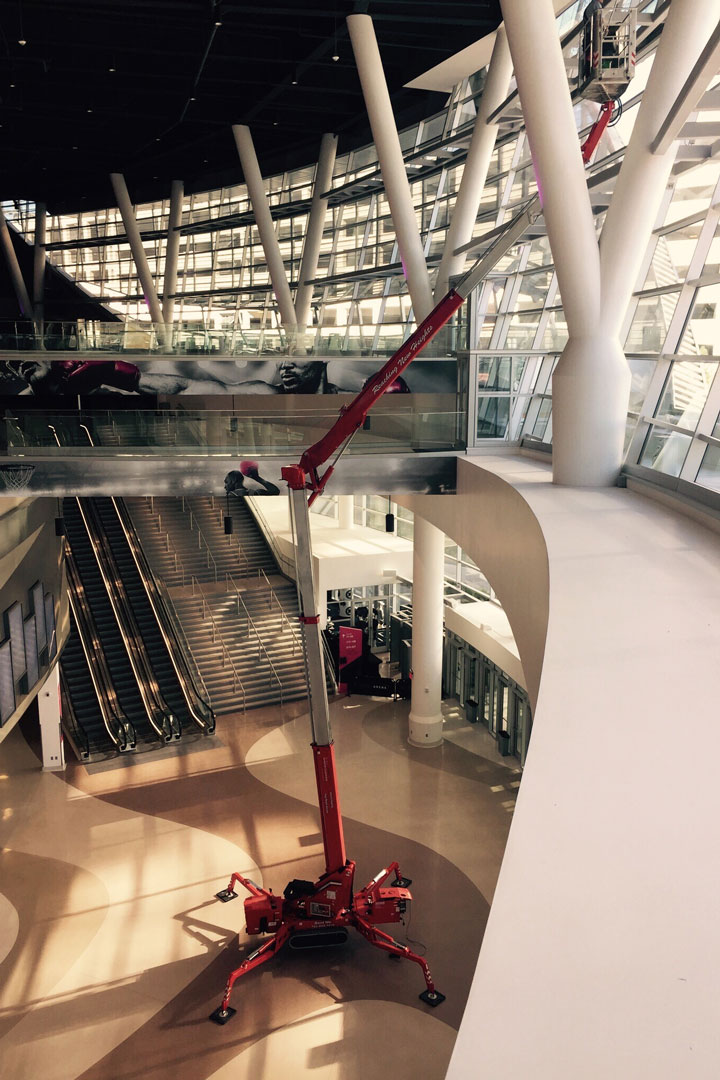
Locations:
(51, 737)
(477, 162)
(592, 380)
(425, 727)
(313, 236)
(392, 166)
(264, 222)
(18, 281)
(138, 252)
(39, 257)
(346, 511)
(644, 176)
(171, 250)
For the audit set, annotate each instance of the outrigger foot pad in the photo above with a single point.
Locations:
(402, 882)
(221, 1016)
(430, 997)
(225, 895)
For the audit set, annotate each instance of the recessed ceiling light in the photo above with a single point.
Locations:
(218, 22)
(336, 57)
(22, 41)
(12, 85)
(89, 110)
(193, 99)
(112, 69)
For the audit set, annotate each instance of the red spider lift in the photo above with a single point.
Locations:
(317, 913)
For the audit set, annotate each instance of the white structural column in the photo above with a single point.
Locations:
(313, 235)
(53, 751)
(14, 268)
(39, 256)
(171, 251)
(425, 727)
(138, 251)
(476, 165)
(592, 381)
(425, 715)
(346, 511)
(643, 176)
(392, 166)
(264, 222)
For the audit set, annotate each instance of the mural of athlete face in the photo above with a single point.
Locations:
(301, 376)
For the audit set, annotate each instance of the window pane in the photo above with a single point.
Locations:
(709, 475)
(665, 451)
(685, 393)
(650, 323)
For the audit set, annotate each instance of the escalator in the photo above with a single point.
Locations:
(92, 717)
(135, 698)
(167, 660)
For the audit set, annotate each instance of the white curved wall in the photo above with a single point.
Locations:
(601, 954)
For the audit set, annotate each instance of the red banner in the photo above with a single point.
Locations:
(351, 647)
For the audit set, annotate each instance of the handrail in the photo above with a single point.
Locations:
(207, 613)
(165, 725)
(201, 537)
(329, 663)
(77, 733)
(117, 725)
(239, 546)
(179, 564)
(294, 632)
(239, 600)
(168, 633)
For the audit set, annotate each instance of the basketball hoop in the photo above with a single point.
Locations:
(16, 477)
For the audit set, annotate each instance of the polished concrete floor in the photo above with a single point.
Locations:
(113, 949)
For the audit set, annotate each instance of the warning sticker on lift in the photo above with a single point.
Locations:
(322, 911)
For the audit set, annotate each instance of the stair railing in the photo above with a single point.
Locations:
(251, 625)
(273, 599)
(218, 638)
(169, 545)
(231, 538)
(202, 542)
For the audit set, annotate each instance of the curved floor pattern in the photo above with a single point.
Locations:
(336, 1039)
(9, 925)
(115, 932)
(161, 838)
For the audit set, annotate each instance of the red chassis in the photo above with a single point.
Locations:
(320, 912)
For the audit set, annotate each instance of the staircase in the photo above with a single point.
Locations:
(184, 538)
(135, 428)
(238, 613)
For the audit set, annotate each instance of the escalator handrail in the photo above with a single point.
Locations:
(117, 725)
(162, 721)
(69, 716)
(165, 725)
(170, 630)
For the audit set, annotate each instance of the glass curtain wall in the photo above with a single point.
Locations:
(513, 328)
